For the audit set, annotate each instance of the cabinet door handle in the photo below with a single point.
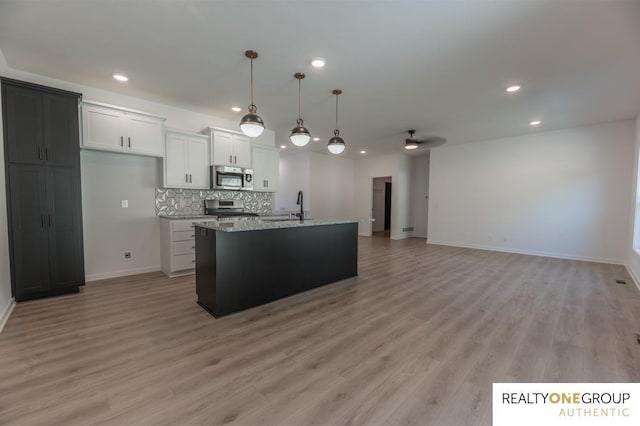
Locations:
(46, 154)
(194, 235)
(41, 221)
(122, 141)
(186, 177)
(49, 220)
(193, 261)
(231, 159)
(129, 140)
(193, 247)
(190, 178)
(39, 153)
(235, 159)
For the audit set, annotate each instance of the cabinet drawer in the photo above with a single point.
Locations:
(184, 235)
(186, 225)
(184, 247)
(184, 261)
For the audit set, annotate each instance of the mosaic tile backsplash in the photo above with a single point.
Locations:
(186, 202)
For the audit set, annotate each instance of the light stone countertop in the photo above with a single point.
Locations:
(185, 217)
(260, 225)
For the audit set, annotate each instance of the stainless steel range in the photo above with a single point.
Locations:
(227, 210)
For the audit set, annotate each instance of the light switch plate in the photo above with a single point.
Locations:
(125, 204)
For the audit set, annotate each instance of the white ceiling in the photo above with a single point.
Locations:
(437, 66)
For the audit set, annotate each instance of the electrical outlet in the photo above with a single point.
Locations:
(127, 255)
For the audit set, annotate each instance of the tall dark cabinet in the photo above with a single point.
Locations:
(42, 163)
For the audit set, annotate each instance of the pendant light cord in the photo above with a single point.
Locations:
(336, 131)
(252, 104)
(299, 90)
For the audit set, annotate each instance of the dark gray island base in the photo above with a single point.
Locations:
(253, 264)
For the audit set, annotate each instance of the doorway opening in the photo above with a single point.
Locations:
(381, 207)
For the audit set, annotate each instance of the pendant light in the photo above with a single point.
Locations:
(251, 124)
(300, 136)
(336, 143)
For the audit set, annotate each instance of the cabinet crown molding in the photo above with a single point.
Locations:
(119, 108)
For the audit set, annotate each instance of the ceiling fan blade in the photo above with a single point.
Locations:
(433, 141)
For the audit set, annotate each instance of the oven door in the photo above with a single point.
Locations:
(227, 178)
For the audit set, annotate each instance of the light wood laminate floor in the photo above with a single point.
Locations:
(417, 338)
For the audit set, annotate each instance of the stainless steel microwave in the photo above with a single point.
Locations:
(234, 178)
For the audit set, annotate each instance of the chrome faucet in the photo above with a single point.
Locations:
(300, 202)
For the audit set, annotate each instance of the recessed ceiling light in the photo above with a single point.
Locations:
(283, 146)
(318, 62)
(513, 89)
(535, 122)
(121, 77)
(363, 152)
(316, 139)
(236, 109)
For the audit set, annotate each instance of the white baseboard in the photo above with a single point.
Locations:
(122, 273)
(6, 313)
(529, 252)
(634, 277)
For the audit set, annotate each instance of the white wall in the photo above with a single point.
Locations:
(398, 166)
(108, 178)
(420, 193)
(563, 193)
(331, 192)
(326, 182)
(295, 176)
(633, 260)
(109, 230)
(6, 301)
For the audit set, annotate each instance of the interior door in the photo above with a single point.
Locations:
(60, 118)
(28, 227)
(64, 228)
(23, 115)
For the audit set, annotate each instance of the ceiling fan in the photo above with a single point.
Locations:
(431, 142)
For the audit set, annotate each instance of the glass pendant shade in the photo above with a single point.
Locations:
(300, 136)
(336, 145)
(252, 124)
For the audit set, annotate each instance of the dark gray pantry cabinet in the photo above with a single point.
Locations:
(42, 166)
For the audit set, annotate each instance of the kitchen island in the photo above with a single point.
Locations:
(245, 263)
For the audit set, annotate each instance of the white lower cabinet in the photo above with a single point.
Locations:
(266, 169)
(178, 246)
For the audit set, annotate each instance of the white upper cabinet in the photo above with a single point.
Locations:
(103, 128)
(110, 128)
(186, 164)
(230, 149)
(222, 144)
(266, 169)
